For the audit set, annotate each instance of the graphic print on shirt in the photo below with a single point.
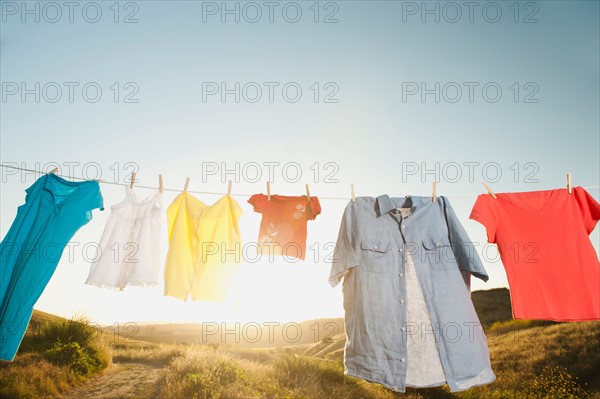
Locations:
(283, 228)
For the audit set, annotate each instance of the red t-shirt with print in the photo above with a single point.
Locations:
(543, 239)
(283, 225)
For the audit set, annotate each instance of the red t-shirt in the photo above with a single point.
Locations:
(283, 225)
(543, 239)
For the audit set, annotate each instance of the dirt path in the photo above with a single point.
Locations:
(123, 381)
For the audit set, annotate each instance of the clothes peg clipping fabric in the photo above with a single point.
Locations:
(132, 180)
(489, 190)
(307, 194)
(569, 187)
(187, 183)
(353, 197)
(229, 187)
(53, 170)
(433, 195)
(160, 184)
(268, 190)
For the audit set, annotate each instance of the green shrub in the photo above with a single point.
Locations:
(78, 329)
(80, 360)
(75, 343)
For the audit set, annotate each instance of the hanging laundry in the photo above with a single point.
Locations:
(543, 238)
(129, 249)
(406, 265)
(205, 249)
(183, 253)
(283, 225)
(53, 211)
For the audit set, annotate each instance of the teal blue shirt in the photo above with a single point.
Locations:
(53, 211)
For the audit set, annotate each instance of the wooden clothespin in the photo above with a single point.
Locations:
(132, 180)
(187, 183)
(433, 196)
(269, 190)
(489, 190)
(229, 188)
(353, 198)
(53, 170)
(160, 184)
(307, 194)
(569, 187)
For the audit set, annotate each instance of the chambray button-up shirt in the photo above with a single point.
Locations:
(370, 256)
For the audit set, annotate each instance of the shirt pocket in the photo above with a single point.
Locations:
(437, 252)
(375, 255)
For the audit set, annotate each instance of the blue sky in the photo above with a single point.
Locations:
(368, 125)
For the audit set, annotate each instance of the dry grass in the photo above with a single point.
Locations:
(54, 358)
(532, 360)
(30, 376)
(148, 353)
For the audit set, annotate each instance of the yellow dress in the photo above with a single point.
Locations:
(204, 248)
(182, 216)
(220, 250)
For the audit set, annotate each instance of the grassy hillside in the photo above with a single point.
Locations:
(532, 359)
(492, 306)
(55, 355)
(246, 336)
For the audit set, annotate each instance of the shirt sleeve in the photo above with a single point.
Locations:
(97, 202)
(464, 251)
(484, 213)
(313, 208)
(588, 207)
(344, 257)
(29, 190)
(257, 201)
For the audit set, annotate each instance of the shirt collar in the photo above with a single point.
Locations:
(384, 205)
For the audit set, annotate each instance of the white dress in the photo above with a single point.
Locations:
(129, 250)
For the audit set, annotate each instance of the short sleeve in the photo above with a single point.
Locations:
(313, 208)
(484, 213)
(588, 207)
(344, 257)
(96, 202)
(257, 201)
(29, 190)
(464, 251)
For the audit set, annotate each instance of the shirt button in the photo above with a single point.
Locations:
(402, 329)
(401, 274)
(403, 226)
(375, 247)
(399, 249)
(403, 360)
(401, 300)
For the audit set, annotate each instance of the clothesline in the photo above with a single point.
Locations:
(206, 192)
